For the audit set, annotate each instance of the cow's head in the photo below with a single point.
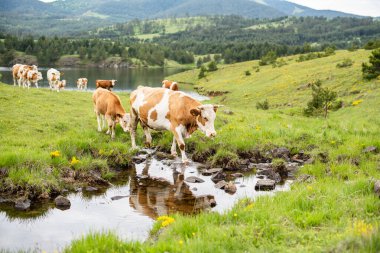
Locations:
(124, 121)
(113, 82)
(205, 118)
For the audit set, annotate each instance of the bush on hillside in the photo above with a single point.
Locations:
(212, 66)
(264, 105)
(202, 72)
(346, 63)
(322, 100)
(247, 73)
(269, 58)
(372, 70)
(372, 44)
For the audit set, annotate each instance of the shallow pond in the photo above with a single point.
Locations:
(151, 189)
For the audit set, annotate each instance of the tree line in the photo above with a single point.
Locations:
(49, 50)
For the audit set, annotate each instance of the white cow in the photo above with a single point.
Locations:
(53, 77)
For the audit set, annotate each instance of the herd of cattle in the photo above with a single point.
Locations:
(164, 108)
(27, 75)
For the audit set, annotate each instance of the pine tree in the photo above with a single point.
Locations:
(372, 70)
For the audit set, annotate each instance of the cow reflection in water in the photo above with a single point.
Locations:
(155, 196)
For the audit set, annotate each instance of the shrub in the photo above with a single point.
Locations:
(372, 70)
(346, 63)
(322, 100)
(372, 44)
(202, 72)
(247, 73)
(262, 105)
(212, 66)
(279, 63)
(269, 58)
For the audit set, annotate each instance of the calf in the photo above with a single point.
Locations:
(82, 83)
(106, 84)
(170, 85)
(60, 85)
(53, 77)
(164, 109)
(108, 105)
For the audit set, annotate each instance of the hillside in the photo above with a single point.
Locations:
(71, 17)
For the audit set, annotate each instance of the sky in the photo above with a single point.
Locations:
(360, 7)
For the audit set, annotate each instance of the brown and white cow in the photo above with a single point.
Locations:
(82, 83)
(60, 85)
(170, 85)
(32, 76)
(107, 106)
(164, 109)
(106, 84)
(19, 73)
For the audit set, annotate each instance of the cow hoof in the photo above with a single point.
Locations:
(174, 154)
(186, 162)
(148, 144)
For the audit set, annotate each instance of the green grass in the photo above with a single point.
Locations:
(36, 122)
(337, 211)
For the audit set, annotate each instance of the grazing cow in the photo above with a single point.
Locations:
(170, 85)
(108, 105)
(60, 85)
(82, 83)
(164, 109)
(32, 76)
(19, 73)
(53, 77)
(106, 84)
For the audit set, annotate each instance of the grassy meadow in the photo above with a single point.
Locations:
(335, 210)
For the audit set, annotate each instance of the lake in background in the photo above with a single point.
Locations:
(127, 78)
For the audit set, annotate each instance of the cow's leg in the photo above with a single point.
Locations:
(14, 81)
(177, 131)
(111, 126)
(28, 82)
(173, 149)
(134, 122)
(36, 83)
(99, 119)
(148, 137)
(19, 82)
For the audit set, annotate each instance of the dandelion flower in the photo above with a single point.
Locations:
(55, 154)
(74, 161)
(357, 102)
(180, 242)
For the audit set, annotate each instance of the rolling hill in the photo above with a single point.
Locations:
(70, 17)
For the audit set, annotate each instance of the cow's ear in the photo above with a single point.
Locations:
(195, 112)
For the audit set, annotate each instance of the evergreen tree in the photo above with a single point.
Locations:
(372, 70)
(212, 66)
(202, 72)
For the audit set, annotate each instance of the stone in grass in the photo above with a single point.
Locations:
(376, 188)
(22, 204)
(370, 149)
(62, 203)
(237, 175)
(265, 185)
(193, 179)
(209, 172)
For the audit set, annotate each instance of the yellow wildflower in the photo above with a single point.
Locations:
(74, 161)
(357, 102)
(180, 242)
(309, 188)
(258, 128)
(250, 206)
(362, 228)
(193, 233)
(165, 220)
(235, 214)
(55, 154)
(333, 142)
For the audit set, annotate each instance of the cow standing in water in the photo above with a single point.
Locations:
(53, 77)
(165, 109)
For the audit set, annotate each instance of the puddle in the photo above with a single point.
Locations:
(152, 189)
